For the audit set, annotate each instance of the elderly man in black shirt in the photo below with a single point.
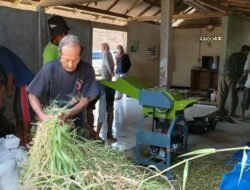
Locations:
(64, 79)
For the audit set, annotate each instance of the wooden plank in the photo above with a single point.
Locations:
(214, 5)
(242, 10)
(158, 3)
(237, 4)
(196, 5)
(158, 12)
(99, 11)
(46, 3)
(133, 5)
(148, 8)
(181, 16)
(236, 1)
(196, 26)
(146, 18)
(199, 15)
(113, 4)
(109, 8)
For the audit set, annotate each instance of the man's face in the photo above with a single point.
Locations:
(58, 37)
(102, 48)
(119, 50)
(70, 57)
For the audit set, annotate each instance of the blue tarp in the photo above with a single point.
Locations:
(230, 181)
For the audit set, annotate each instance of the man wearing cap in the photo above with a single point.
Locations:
(58, 29)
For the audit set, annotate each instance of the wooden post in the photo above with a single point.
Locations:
(166, 50)
(41, 34)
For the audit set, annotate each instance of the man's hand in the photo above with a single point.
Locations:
(63, 117)
(10, 93)
(37, 107)
(46, 117)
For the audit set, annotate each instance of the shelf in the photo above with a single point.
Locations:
(204, 79)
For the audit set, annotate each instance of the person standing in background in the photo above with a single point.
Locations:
(107, 62)
(246, 94)
(58, 29)
(3, 80)
(107, 99)
(18, 76)
(123, 65)
(233, 70)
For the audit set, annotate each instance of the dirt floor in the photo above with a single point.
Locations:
(206, 173)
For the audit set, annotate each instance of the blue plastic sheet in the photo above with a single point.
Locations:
(230, 181)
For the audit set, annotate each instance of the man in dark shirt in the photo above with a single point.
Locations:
(64, 79)
(233, 70)
(16, 74)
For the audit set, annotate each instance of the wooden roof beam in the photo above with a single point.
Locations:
(245, 10)
(158, 3)
(198, 15)
(157, 12)
(133, 5)
(110, 7)
(148, 8)
(192, 16)
(113, 4)
(237, 4)
(46, 3)
(214, 5)
(99, 11)
(197, 5)
(236, 1)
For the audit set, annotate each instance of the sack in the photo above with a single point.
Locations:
(8, 170)
(11, 142)
(241, 82)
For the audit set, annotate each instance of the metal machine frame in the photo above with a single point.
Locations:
(161, 140)
(166, 107)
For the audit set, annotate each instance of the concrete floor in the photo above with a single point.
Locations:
(128, 111)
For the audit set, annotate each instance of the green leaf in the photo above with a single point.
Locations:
(201, 151)
(185, 175)
(243, 165)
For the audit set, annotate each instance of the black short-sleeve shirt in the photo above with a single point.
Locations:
(60, 85)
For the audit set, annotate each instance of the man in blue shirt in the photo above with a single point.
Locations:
(18, 75)
(64, 79)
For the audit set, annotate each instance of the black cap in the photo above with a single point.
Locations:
(245, 48)
(57, 25)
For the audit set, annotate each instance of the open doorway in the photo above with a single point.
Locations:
(113, 38)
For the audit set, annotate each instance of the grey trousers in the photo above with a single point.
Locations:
(228, 87)
(117, 93)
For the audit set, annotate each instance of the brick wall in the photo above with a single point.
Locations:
(112, 37)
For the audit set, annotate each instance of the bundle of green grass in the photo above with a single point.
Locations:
(61, 160)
